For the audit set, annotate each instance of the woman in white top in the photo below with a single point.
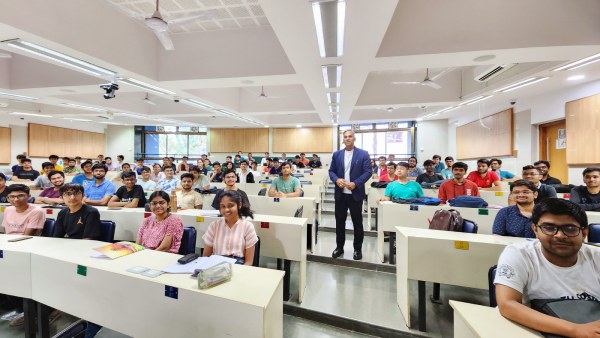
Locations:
(232, 235)
(157, 173)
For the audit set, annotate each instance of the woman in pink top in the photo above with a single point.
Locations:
(231, 235)
(161, 231)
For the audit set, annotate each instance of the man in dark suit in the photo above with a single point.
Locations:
(350, 169)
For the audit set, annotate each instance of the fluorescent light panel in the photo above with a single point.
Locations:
(332, 76)
(446, 110)
(74, 105)
(29, 114)
(61, 58)
(341, 21)
(146, 86)
(333, 98)
(225, 112)
(575, 77)
(74, 119)
(475, 100)
(580, 63)
(18, 97)
(135, 116)
(198, 103)
(330, 18)
(521, 84)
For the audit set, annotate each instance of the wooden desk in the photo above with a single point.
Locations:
(136, 305)
(445, 257)
(476, 321)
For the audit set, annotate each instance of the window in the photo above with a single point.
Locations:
(173, 141)
(383, 138)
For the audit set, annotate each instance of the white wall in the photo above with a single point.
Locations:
(432, 139)
(120, 141)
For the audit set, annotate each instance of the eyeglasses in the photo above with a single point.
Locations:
(16, 197)
(158, 203)
(71, 194)
(526, 192)
(570, 230)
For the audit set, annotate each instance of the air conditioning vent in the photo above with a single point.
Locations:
(485, 73)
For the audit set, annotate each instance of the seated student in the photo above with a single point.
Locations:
(315, 163)
(86, 177)
(200, 166)
(298, 163)
(286, 185)
(184, 165)
(157, 173)
(71, 169)
(79, 220)
(101, 191)
(54, 160)
(236, 161)
(129, 195)
(208, 165)
(255, 172)
(458, 185)
(26, 174)
(429, 176)
(169, 183)
(496, 164)
(588, 196)
(267, 166)
(3, 191)
(389, 173)
(139, 165)
(19, 164)
(200, 180)
(515, 220)
(21, 218)
(482, 177)
(263, 161)
(245, 175)
(78, 161)
(544, 167)
(413, 169)
(145, 182)
(110, 165)
(230, 178)
(232, 235)
(188, 198)
(125, 167)
(276, 168)
(162, 231)
(402, 187)
(554, 266)
(229, 166)
(42, 181)
(217, 175)
(392, 158)
(532, 174)
(52, 195)
(438, 166)
(303, 159)
(447, 173)
(120, 162)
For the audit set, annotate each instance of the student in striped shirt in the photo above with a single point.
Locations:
(233, 235)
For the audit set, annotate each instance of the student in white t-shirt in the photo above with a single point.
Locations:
(556, 265)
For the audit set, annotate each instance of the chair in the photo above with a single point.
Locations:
(469, 226)
(49, 227)
(108, 231)
(255, 260)
(188, 241)
(306, 182)
(594, 234)
(492, 286)
(301, 193)
(262, 192)
(299, 211)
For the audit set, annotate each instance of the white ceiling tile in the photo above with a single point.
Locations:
(231, 2)
(210, 26)
(239, 12)
(257, 10)
(263, 21)
(189, 4)
(210, 3)
(228, 24)
(247, 22)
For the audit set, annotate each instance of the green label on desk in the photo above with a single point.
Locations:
(483, 211)
(82, 270)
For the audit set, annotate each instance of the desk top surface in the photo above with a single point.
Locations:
(458, 236)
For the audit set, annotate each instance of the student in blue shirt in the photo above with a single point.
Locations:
(86, 177)
(515, 221)
(438, 165)
(402, 188)
(496, 165)
(99, 192)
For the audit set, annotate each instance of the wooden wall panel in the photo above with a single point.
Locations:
(474, 141)
(583, 124)
(5, 145)
(250, 140)
(298, 140)
(47, 140)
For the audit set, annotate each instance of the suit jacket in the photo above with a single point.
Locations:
(360, 172)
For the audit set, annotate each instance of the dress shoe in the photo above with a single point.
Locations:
(337, 252)
(357, 255)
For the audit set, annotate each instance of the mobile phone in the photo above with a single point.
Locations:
(20, 239)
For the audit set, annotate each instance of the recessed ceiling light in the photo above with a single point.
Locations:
(298, 126)
(575, 77)
(484, 58)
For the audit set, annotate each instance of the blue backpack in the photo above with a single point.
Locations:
(418, 201)
(468, 202)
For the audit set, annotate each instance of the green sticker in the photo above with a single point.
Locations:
(483, 211)
(82, 270)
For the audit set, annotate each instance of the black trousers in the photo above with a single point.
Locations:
(342, 205)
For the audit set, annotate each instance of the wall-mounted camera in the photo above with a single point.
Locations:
(176, 99)
(110, 89)
(513, 102)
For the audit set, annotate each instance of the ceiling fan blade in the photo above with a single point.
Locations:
(405, 82)
(165, 39)
(204, 15)
(431, 84)
(442, 73)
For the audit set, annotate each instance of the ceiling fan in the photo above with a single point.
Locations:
(160, 26)
(427, 81)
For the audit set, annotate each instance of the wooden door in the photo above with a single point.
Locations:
(554, 151)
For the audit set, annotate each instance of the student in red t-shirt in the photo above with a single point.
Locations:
(482, 177)
(388, 175)
(458, 186)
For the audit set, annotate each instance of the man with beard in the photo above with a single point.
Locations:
(187, 198)
(482, 177)
(515, 221)
(588, 196)
(99, 192)
(413, 169)
(544, 167)
(429, 176)
(52, 195)
(458, 186)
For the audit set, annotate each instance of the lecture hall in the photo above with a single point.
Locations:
(299, 168)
